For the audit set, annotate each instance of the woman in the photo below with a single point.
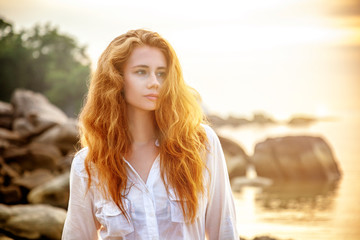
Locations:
(150, 168)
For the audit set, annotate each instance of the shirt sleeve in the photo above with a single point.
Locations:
(220, 213)
(80, 222)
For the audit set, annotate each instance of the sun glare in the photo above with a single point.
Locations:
(266, 53)
(322, 110)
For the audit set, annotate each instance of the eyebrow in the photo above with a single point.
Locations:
(146, 66)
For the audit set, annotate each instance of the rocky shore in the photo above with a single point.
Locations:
(262, 119)
(38, 141)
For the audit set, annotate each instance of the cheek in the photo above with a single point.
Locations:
(128, 92)
(132, 90)
(128, 84)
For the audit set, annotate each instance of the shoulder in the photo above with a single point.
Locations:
(213, 139)
(210, 133)
(213, 145)
(78, 163)
(215, 158)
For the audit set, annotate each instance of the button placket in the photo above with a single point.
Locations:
(151, 207)
(148, 198)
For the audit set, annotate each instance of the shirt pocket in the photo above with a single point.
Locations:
(176, 209)
(115, 221)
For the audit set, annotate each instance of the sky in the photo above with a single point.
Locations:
(280, 57)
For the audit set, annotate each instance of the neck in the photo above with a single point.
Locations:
(141, 126)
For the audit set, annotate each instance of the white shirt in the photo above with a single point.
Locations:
(154, 214)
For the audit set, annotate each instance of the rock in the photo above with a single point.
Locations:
(217, 121)
(6, 176)
(10, 194)
(3, 237)
(64, 164)
(15, 152)
(33, 156)
(304, 158)
(262, 238)
(36, 111)
(265, 238)
(6, 170)
(5, 122)
(4, 144)
(301, 121)
(26, 128)
(54, 192)
(236, 166)
(33, 179)
(6, 109)
(235, 121)
(64, 136)
(236, 158)
(261, 118)
(6, 115)
(32, 221)
(29, 104)
(16, 167)
(10, 135)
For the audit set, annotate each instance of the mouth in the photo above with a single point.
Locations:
(152, 97)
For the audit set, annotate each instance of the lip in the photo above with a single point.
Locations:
(152, 96)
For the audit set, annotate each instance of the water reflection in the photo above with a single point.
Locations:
(306, 198)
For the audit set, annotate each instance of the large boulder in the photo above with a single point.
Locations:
(64, 136)
(32, 221)
(303, 158)
(54, 192)
(34, 178)
(236, 158)
(33, 156)
(34, 113)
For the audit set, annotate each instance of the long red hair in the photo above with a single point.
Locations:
(104, 126)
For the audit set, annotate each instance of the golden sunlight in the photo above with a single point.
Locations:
(322, 111)
(277, 56)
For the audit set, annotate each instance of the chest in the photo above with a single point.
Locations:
(154, 214)
(141, 159)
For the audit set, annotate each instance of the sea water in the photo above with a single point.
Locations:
(304, 211)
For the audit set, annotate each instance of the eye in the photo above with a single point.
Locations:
(161, 75)
(140, 72)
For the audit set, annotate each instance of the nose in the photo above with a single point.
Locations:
(153, 81)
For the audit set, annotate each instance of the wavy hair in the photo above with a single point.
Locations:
(178, 115)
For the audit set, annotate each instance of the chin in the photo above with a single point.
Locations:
(150, 109)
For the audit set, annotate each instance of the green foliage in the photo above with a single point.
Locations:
(43, 60)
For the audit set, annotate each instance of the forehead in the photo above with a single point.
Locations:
(145, 55)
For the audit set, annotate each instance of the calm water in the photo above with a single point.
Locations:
(327, 211)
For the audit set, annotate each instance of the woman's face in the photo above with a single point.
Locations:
(144, 73)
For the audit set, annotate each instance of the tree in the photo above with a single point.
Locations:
(43, 60)
(14, 61)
